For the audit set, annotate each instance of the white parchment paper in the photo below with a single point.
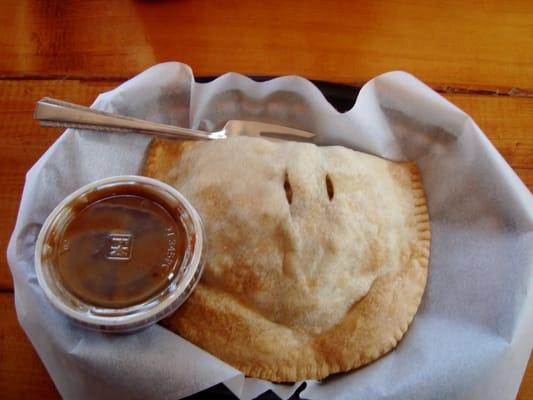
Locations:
(473, 333)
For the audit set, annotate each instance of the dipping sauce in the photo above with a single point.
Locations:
(119, 251)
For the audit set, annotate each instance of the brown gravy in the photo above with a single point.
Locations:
(119, 250)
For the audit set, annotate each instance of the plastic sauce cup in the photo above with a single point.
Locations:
(120, 253)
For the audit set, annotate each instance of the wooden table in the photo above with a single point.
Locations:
(479, 56)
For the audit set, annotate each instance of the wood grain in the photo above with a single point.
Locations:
(526, 388)
(479, 54)
(453, 44)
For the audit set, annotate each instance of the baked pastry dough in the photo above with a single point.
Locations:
(317, 256)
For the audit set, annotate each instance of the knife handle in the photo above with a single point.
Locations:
(57, 113)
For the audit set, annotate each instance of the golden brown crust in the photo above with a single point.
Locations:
(242, 336)
(161, 156)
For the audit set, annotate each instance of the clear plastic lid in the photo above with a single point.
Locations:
(120, 253)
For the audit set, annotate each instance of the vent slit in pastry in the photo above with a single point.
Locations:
(329, 187)
(287, 187)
